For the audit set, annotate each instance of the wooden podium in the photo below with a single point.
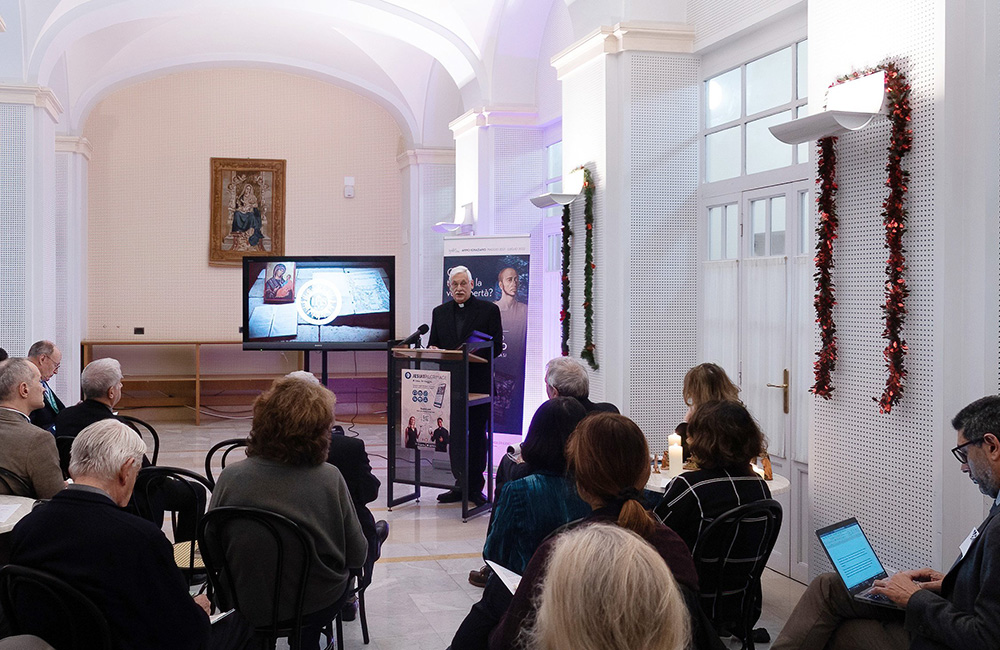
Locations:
(422, 465)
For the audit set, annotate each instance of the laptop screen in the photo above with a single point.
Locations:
(851, 553)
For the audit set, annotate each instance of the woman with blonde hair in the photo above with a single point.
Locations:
(706, 382)
(592, 574)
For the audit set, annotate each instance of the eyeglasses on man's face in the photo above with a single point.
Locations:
(961, 453)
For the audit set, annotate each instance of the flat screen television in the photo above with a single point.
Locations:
(318, 303)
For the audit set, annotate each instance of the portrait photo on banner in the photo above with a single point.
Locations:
(248, 209)
(503, 279)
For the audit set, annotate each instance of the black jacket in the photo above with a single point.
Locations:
(74, 419)
(349, 456)
(479, 315)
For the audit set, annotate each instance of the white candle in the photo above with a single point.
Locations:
(674, 439)
(676, 457)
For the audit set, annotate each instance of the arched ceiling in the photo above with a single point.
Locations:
(396, 52)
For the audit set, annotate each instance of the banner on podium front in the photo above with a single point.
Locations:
(500, 273)
(425, 409)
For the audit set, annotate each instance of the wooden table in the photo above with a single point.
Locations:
(658, 483)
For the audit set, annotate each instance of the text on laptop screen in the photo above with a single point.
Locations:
(852, 554)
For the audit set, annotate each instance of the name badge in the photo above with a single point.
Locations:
(963, 548)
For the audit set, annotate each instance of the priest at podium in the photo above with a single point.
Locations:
(451, 325)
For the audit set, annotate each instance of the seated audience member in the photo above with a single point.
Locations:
(101, 383)
(723, 438)
(609, 458)
(567, 377)
(285, 472)
(958, 610)
(349, 456)
(607, 589)
(526, 512)
(122, 563)
(706, 382)
(47, 358)
(26, 450)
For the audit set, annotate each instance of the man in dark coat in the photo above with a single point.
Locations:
(451, 325)
(101, 383)
(47, 358)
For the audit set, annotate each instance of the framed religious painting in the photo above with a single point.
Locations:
(248, 209)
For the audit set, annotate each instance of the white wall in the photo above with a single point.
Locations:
(150, 184)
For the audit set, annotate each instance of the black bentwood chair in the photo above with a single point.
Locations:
(144, 428)
(254, 556)
(42, 605)
(730, 557)
(225, 447)
(183, 493)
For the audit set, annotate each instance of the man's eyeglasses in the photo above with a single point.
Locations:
(961, 453)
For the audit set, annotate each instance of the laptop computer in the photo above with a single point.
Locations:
(855, 561)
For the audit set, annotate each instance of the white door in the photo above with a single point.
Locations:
(770, 370)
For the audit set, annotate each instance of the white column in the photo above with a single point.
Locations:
(630, 106)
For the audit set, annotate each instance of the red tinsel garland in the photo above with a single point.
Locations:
(826, 233)
(894, 218)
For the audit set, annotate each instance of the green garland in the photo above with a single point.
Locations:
(567, 235)
(588, 272)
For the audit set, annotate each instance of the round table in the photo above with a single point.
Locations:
(658, 483)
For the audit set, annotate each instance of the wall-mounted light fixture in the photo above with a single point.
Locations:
(463, 223)
(572, 186)
(850, 106)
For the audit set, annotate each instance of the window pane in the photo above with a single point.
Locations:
(769, 81)
(758, 215)
(553, 254)
(554, 155)
(778, 225)
(764, 151)
(715, 233)
(805, 222)
(723, 98)
(802, 148)
(732, 232)
(722, 154)
(802, 69)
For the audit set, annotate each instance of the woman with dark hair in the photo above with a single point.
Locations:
(286, 472)
(609, 459)
(724, 438)
(526, 511)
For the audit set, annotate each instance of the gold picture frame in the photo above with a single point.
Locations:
(248, 209)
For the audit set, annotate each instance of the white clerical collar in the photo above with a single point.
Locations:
(461, 305)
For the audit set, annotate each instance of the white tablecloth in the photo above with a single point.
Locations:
(658, 483)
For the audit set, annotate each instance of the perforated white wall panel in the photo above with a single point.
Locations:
(150, 185)
(584, 143)
(519, 174)
(13, 245)
(662, 160)
(880, 468)
(437, 202)
(716, 19)
(59, 290)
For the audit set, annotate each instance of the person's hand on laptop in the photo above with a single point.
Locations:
(898, 587)
(926, 578)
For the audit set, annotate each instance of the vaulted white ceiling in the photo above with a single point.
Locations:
(423, 60)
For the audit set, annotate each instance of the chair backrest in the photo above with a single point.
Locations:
(258, 563)
(225, 447)
(730, 557)
(173, 490)
(40, 604)
(142, 428)
(64, 444)
(15, 484)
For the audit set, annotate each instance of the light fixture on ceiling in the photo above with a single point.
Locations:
(850, 106)
(573, 183)
(463, 223)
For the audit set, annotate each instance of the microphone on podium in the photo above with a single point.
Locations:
(415, 337)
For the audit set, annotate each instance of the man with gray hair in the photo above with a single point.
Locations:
(101, 383)
(121, 562)
(452, 323)
(47, 358)
(27, 451)
(567, 377)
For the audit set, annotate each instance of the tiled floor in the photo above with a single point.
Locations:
(420, 591)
